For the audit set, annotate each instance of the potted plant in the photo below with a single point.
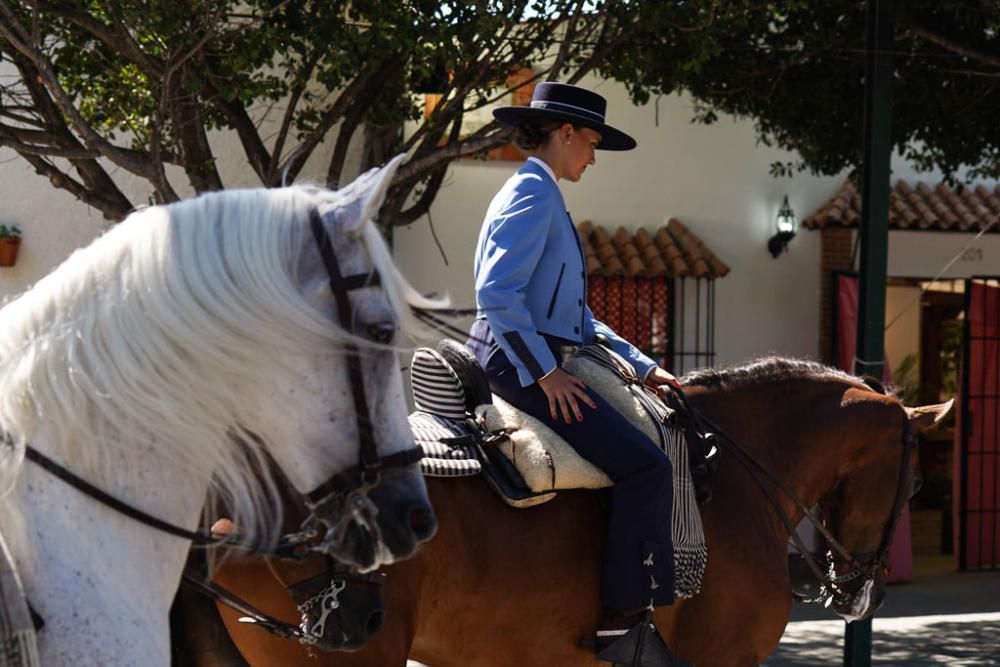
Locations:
(10, 241)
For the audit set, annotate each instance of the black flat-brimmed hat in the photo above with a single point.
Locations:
(572, 104)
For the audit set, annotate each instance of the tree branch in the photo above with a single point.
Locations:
(361, 87)
(309, 64)
(118, 38)
(59, 134)
(189, 128)
(113, 207)
(414, 169)
(954, 47)
(568, 36)
(253, 147)
(127, 159)
(423, 205)
(348, 126)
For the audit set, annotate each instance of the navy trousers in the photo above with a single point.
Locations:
(638, 557)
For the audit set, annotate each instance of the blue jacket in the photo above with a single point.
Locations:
(531, 280)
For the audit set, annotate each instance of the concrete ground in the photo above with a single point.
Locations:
(943, 618)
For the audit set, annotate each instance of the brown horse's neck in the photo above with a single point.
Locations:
(793, 426)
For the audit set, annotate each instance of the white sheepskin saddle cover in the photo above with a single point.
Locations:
(544, 459)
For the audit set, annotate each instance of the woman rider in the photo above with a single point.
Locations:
(531, 294)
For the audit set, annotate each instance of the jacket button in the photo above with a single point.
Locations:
(583, 275)
(579, 302)
(576, 329)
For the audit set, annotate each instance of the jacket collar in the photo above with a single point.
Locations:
(540, 163)
(544, 172)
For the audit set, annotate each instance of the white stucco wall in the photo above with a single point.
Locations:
(926, 254)
(54, 223)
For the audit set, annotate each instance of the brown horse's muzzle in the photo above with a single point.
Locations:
(861, 601)
(349, 626)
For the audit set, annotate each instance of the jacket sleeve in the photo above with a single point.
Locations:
(512, 250)
(642, 364)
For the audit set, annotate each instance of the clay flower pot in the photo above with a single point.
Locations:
(8, 250)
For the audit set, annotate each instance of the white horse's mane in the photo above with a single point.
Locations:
(161, 327)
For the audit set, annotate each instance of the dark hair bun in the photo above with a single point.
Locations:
(531, 134)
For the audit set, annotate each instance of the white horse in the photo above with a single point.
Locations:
(169, 363)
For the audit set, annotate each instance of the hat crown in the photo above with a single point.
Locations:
(566, 103)
(569, 98)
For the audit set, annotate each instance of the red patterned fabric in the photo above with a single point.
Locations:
(613, 312)
(636, 308)
(643, 314)
(629, 302)
(660, 335)
(597, 290)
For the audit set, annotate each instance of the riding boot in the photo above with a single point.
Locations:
(630, 639)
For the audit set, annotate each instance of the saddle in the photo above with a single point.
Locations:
(465, 430)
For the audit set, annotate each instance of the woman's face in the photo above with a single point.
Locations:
(578, 150)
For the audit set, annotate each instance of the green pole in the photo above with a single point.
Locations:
(874, 238)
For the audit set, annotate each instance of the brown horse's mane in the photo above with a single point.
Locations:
(770, 369)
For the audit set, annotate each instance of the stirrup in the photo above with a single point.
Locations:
(641, 646)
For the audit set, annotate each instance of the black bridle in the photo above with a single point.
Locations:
(863, 566)
(344, 495)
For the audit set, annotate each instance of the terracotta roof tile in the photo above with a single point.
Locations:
(673, 250)
(919, 207)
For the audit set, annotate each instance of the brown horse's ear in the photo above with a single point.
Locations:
(927, 416)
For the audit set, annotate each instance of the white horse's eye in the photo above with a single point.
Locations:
(382, 332)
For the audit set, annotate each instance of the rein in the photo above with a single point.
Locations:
(308, 631)
(758, 470)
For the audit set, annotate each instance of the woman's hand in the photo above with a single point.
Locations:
(562, 390)
(658, 377)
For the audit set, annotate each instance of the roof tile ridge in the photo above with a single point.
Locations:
(610, 263)
(651, 257)
(628, 253)
(671, 254)
(690, 245)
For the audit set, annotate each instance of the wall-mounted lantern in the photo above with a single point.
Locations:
(785, 226)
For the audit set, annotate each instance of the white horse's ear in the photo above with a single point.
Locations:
(363, 197)
(376, 193)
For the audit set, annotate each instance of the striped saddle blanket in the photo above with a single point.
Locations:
(466, 432)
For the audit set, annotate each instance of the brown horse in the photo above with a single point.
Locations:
(499, 586)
